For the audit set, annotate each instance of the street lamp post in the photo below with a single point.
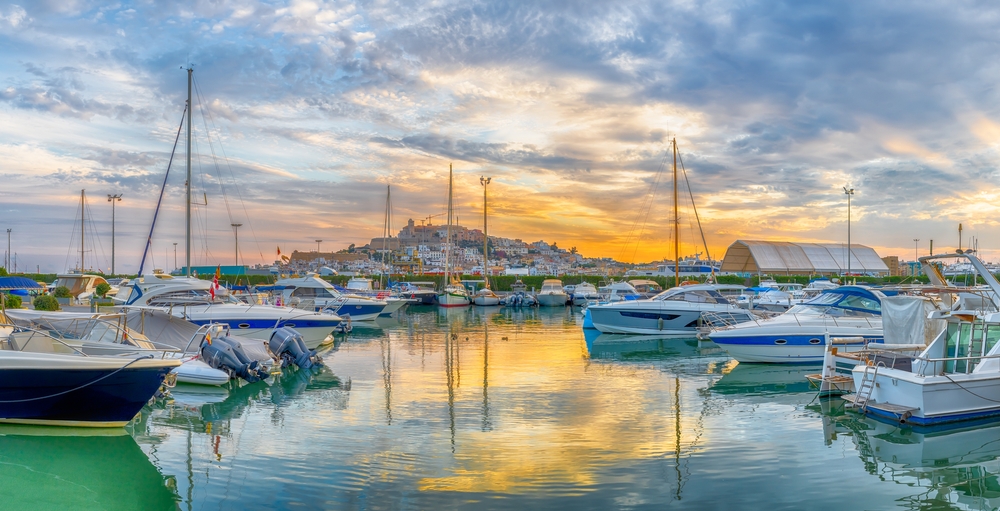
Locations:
(916, 255)
(317, 245)
(849, 192)
(236, 232)
(113, 199)
(175, 256)
(6, 263)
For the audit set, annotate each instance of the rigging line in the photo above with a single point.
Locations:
(156, 212)
(646, 204)
(72, 236)
(239, 195)
(696, 217)
(211, 149)
(649, 204)
(95, 234)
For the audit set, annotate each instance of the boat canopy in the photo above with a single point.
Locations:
(10, 283)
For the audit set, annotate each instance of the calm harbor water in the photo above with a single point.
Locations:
(494, 408)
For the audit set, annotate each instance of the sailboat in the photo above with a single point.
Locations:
(195, 299)
(454, 293)
(486, 296)
(678, 310)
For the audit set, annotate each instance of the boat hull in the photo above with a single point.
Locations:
(642, 318)
(453, 300)
(902, 396)
(551, 299)
(771, 342)
(58, 390)
(487, 301)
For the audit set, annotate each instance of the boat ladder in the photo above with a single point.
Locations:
(866, 388)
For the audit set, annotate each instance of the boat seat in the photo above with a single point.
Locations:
(31, 342)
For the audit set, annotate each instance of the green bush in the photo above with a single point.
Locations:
(62, 292)
(102, 289)
(12, 301)
(46, 303)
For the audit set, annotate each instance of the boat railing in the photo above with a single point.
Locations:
(928, 366)
(18, 341)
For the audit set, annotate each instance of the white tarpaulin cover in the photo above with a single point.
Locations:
(904, 320)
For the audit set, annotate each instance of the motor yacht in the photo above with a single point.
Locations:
(552, 294)
(677, 310)
(194, 300)
(797, 336)
(312, 292)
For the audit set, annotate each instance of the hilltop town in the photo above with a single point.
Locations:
(421, 249)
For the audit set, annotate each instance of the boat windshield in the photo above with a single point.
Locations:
(186, 297)
(695, 296)
(841, 303)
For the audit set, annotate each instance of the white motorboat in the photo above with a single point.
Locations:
(362, 287)
(797, 336)
(955, 378)
(584, 294)
(315, 294)
(677, 310)
(552, 294)
(618, 291)
(192, 299)
(485, 297)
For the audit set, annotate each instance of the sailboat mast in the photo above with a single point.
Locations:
(82, 198)
(447, 241)
(386, 246)
(677, 225)
(187, 256)
(486, 235)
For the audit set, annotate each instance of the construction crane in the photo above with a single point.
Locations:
(428, 219)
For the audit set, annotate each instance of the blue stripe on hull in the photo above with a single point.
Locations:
(359, 310)
(932, 421)
(790, 340)
(114, 399)
(260, 324)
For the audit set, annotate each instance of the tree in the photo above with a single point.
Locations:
(62, 292)
(102, 289)
(46, 303)
(350, 248)
(12, 301)
(553, 247)
(572, 250)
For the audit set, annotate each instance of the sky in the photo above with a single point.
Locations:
(306, 111)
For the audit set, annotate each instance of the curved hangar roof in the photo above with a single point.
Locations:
(745, 256)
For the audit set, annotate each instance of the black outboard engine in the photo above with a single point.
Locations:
(288, 345)
(226, 353)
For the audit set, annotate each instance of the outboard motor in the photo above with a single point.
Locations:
(227, 354)
(288, 345)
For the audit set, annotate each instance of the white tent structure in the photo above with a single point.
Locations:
(787, 258)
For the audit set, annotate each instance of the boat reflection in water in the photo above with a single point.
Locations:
(645, 347)
(59, 468)
(765, 379)
(959, 468)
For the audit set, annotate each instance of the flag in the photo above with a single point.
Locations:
(215, 285)
(208, 337)
(279, 252)
(218, 273)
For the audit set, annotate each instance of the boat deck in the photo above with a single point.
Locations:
(899, 410)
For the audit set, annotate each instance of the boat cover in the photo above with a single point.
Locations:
(904, 321)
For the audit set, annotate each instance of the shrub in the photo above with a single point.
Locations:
(12, 301)
(62, 292)
(46, 303)
(102, 289)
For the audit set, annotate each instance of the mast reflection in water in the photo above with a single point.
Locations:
(493, 408)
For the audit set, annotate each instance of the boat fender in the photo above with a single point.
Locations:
(659, 323)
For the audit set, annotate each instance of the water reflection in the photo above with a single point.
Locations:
(645, 347)
(954, 468)
(59, 468)
(764, 379)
